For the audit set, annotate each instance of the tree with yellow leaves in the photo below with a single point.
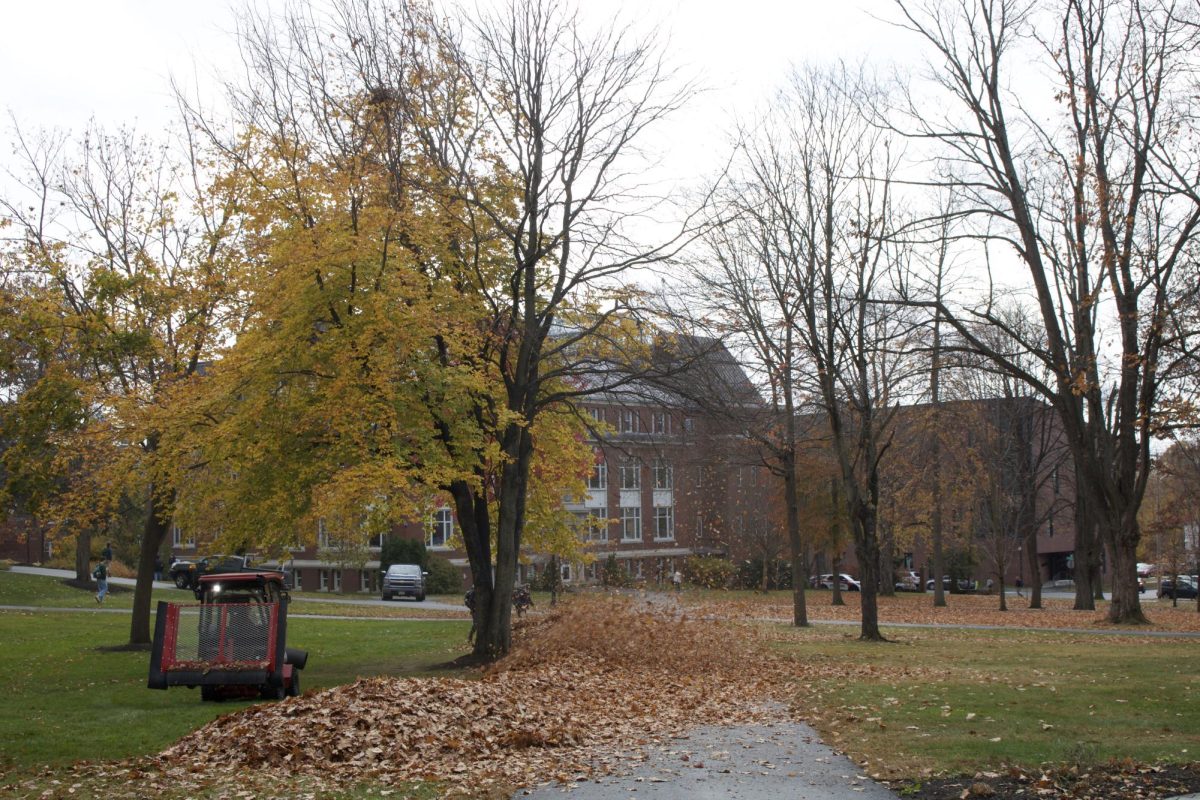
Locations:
(126, 248)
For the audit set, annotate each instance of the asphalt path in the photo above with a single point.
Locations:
(357, 601)
(748, 762)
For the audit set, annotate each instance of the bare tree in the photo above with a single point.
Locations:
(819, 214)
(1102, 208)
(747, 293)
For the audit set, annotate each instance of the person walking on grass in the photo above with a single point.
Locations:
(100, 573)
(677, 580)
(106, 553)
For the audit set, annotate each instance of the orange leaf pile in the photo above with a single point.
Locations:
(582, 687)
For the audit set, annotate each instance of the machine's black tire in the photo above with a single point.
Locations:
(270, 692)
(208, 694)
(181, 580)
(293, 690)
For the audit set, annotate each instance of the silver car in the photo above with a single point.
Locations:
(404, 580)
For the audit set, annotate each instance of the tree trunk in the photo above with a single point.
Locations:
(475, 523)
(836, 598)
(1126, 605)
(154, 533)
(939, 562)
(83, 555)
(939, 558)
(867, 549)
(887, 558)
(1085, 542)
(495, 640)
(799, 563)
(1033, 559)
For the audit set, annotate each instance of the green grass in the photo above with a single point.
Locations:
(68, 699)
(964, 700)
(19, 589)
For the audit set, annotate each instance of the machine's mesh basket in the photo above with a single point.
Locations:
(229, 635)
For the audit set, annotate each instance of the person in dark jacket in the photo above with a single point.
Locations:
(100, 573)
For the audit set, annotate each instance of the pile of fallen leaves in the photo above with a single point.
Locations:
(583, 687)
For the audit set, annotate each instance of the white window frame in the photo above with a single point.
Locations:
(364, 580)
(631, 523)
(322, 536)
(660, 422)
(564, 571)
(441, 524)
(324, 580)
(337, 580)
(177, 539)
(630, 422)
(598, 532)
(598, 479)
(597, 415)
(663, 475)
(631, 475)
(664, 523)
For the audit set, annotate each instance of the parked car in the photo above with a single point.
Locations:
(405, 580)
(964, 584)
(1186, 588)
(908, 582)
(187, 574)
(847, 583)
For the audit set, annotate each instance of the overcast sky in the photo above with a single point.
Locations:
(66, 61)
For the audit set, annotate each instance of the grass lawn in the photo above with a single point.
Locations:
(18, 589)
(931, 701)
(68, 700)
(958, 701)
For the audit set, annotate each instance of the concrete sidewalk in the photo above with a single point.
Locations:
(750, 762)
(357, 601)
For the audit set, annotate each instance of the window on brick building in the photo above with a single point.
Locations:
(441, 528)
(631, 475)
(631, 523)
(664, 523)
(664, 475)
(599, 477)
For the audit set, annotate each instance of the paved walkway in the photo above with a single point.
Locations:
(357, 601)
(751, 762)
